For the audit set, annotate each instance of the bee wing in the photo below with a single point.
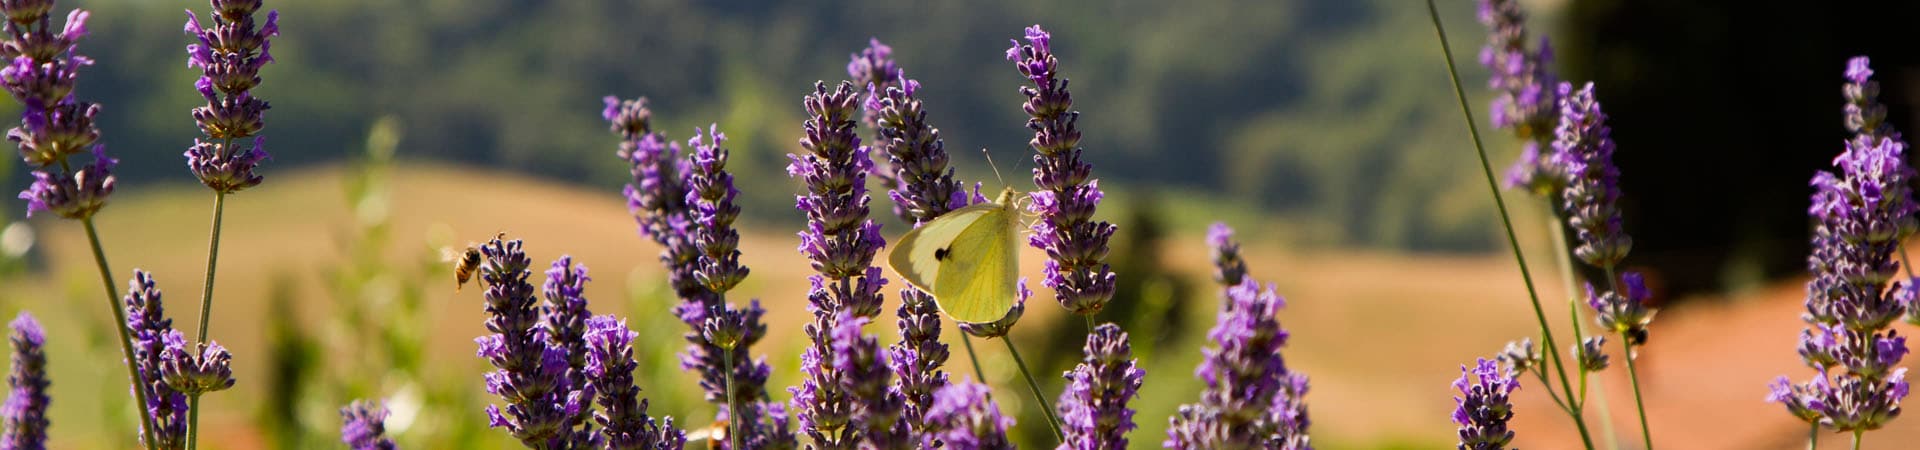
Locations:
(448, 254)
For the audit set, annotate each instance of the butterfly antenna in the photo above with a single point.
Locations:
(996, 168)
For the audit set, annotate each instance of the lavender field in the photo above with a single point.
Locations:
(1291, 225)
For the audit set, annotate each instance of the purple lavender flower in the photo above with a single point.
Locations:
(25, 412)
(1093, 409)
(1864, 115)
(917, 358)
(1482, 409)
(543, 408)
(230, 55)
(1623, 313)
(863, 368)
(1251, 400)
(965, 417)
(152, 332)
(1862, 213)
(48, 135)
(363, 426)
(710, 195)
(624, 423)
(1521, 76)
(565, 321)
(1541, 175)
(1593, 183)
(43, 65)
(841, 242)
(657, 195)
(1000, 328)
(1228, 267)
(1591, 354)
(208, 367)
(1076, 245)
(1519, 355)
(73, 195)
(873, 69)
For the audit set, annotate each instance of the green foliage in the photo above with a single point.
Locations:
(1322, 112)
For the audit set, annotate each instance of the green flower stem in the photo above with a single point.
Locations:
(1626, 346)
(1040, 400)
(120, 323)
(1506, 220)
(193, 419)
(733, 407)
(1813, 435)
(213, 259)
(1856, 438)
(978, 374)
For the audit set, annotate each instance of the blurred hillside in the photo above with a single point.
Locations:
(1329, 113)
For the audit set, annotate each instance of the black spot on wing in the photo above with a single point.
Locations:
(942, 253)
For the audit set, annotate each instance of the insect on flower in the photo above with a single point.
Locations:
(466, 263)
(715, 435)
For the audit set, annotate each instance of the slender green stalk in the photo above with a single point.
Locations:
(213, 259)
(1542, 375)
(1813, 435)
(1856, 438)
(1089, 322)
(1626, 346)
(193, 420)
(1039, 399)
(1565, 261)
(120, 323)
(978, 374)
(1506, 220)
(733, 408)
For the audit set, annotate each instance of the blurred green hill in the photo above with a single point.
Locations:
(1331, 113)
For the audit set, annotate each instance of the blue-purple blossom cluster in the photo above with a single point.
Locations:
(1251, 400)
(363, 426)
(1076, 245)
(1862, 212)
(545, 406)
(23, 419)
(1525, 101)
(623, 420)
(1483, 407)
(1093, 408)
(841, 242)
(230, 55)
(1584, 144)
(686, 206)
(153, 334)
(924, 188)
(965, 417)
(42, 68)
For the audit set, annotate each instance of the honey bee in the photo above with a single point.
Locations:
(715, 435)
(467, 263)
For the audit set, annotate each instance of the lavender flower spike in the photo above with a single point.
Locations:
(965, 417)
(74, 194)
(1862, 213)
(152, 334)
(1251, 399)
(531, 376)
(1593, 184)
(624, 423)
(40, 73)
(864, 374)
(25, 413)
(1093, 409)
(230, 55)
(363, 426)
(1526, 102)
(1076, 245)
(1864, 115)
(1482, 409)
(841, 242)
(873, 69)
(717, 269)
(205, 368)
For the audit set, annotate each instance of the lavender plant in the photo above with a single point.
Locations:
(925, 188)
(965, 417)
(23, 419)
(363, 426)
(1525, 103)
(1251, 399)
(841, 242)
(662, 198)
(42, 69)
(1483, 407)
(1862, 211)
(624, 423)
(1076, 245)
(153, 335)
(1093, 409)
(544, 409)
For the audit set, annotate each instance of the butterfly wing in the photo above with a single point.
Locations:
(976, 280)
(919, 255)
